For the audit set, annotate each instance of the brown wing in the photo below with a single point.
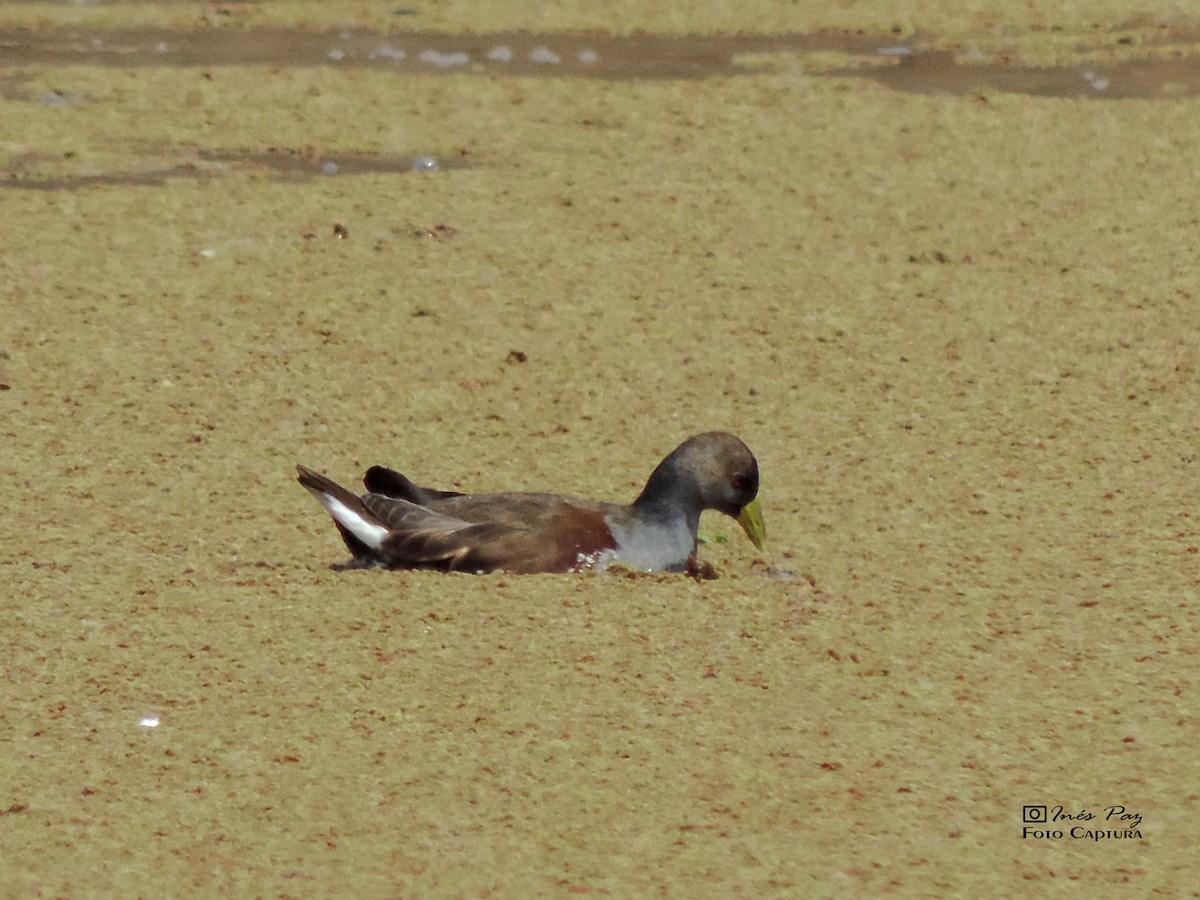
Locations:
(519, 533)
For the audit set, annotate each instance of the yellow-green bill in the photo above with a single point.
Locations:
(751, 520)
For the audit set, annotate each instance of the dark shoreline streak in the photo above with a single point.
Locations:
(900, 64)
(616, 57)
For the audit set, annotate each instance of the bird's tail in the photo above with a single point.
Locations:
(350, 514)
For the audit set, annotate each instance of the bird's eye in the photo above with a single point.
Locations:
(739, 481)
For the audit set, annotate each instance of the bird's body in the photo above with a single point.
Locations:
(398, 524)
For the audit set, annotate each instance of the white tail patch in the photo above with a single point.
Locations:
(370, 533)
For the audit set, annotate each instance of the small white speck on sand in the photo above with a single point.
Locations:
(444, 60)
(387, 51)
(544, 56)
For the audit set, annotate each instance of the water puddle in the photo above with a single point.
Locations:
(516, 53)
(944, 72)
(1147, 61)
(154, 167)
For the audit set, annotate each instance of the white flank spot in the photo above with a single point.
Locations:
(368, 532)
(598, 562)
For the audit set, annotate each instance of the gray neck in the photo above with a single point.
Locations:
(671, 494)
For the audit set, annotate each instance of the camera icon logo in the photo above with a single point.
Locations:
(1035, 815)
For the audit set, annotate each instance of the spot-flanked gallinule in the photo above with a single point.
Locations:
(402, 526)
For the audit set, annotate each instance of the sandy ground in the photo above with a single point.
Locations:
(960, 332)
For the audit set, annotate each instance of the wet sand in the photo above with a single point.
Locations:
(958, 326)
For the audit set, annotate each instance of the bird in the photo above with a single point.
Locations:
(399, 525)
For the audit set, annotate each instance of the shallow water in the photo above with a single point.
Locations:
(910, 65)
(154, 168)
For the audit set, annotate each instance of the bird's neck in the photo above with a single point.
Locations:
(670, 494)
